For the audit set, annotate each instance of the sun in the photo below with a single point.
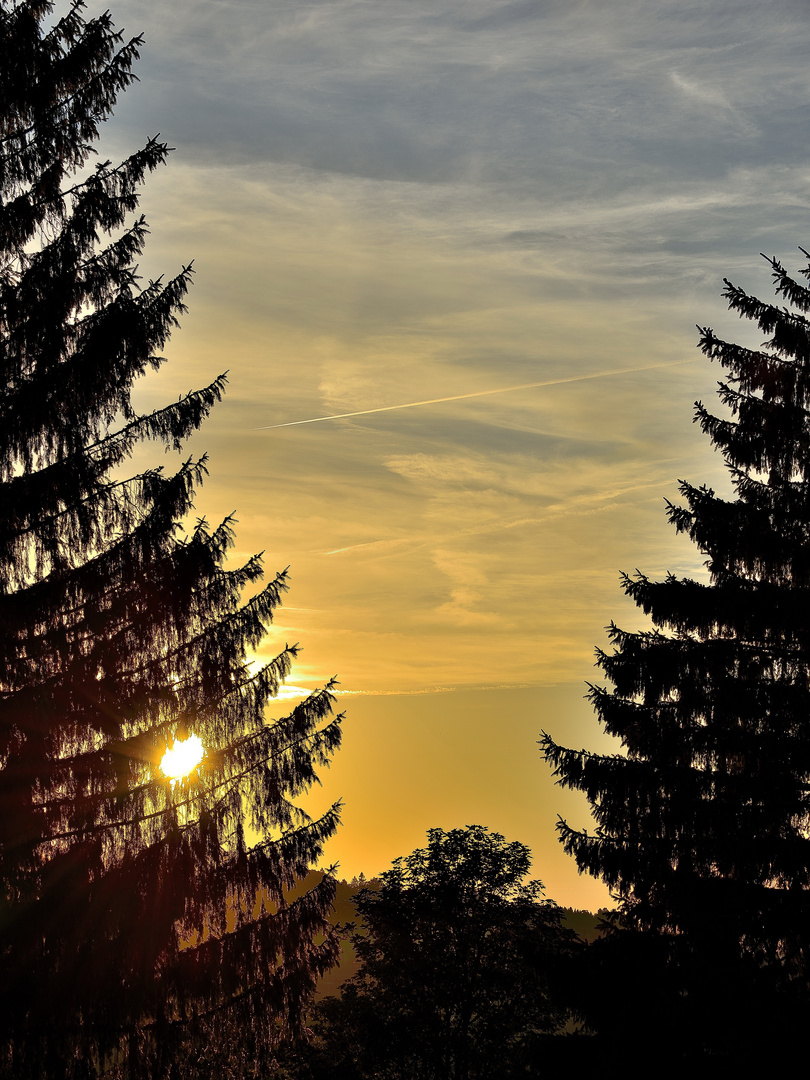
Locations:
(184, 756)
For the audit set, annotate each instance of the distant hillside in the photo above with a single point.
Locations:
(343, 912)
(584, 923)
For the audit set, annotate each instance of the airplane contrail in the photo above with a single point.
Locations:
(475, 393)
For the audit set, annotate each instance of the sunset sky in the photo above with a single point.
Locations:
(396, 201)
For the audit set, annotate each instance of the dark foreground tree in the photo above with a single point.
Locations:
(704, 821)
(458, 960)
(120, 633)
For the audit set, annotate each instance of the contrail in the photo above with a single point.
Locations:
(476, 393)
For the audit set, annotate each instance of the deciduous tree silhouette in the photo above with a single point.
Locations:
(458, 959)
(121, 632)
(704, 818)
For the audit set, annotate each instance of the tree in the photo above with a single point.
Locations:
(122, 632)
(703, 821)
(457, 963)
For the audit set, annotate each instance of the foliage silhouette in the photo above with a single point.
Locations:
(122, 632)
(703, 821)
(459, 961)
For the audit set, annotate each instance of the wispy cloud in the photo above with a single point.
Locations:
(459, 250)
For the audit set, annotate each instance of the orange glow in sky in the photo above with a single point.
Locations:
(467, 199)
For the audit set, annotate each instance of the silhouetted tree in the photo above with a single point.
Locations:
(458, 958)
(704, 819)
(121, 632)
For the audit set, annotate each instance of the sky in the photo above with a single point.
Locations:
(400, 201)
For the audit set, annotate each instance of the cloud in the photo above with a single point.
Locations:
(514, 94)
(393, 203)
(715, 101)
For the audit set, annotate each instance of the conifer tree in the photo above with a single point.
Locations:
(129, 933)
(704, 818)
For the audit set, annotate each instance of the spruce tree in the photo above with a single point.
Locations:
(703, 819)
(130, 933)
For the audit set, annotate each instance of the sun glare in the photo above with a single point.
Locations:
(184, 756)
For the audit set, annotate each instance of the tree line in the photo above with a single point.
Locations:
(141, 933)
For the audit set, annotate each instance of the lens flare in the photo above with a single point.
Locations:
(183, 757)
